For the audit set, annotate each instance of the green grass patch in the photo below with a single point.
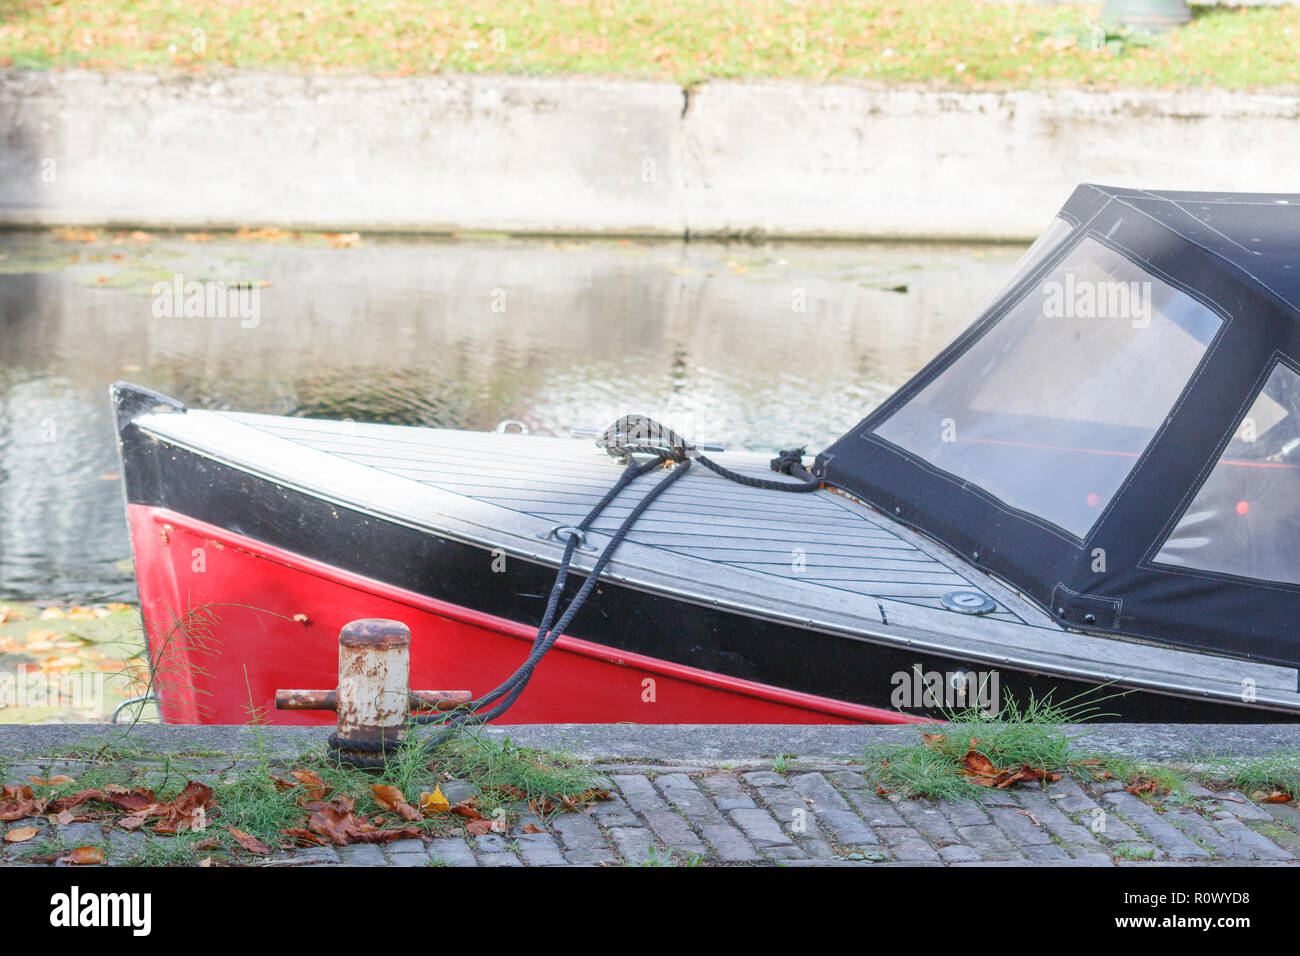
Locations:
(1149, 781)
(1031, 734)
(964, 44)
(1264, 774)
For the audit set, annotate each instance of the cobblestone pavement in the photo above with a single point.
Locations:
(808, 815)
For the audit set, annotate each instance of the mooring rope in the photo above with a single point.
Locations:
(630, 435)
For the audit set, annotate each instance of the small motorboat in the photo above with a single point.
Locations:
(1093, 493)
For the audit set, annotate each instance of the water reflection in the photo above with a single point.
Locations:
(756, 346)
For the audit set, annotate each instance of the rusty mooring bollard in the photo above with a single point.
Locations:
(374, 697)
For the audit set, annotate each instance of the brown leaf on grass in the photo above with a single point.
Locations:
(85, 856)
(975, 763)
(189, 811)
(1143, 785)
(336, 822)
(934, 741)
(317, 789)
(63, 818)
(478, 827)
(333, 821)
(20, 834)
(72, 800)
(132, 801)
(58, 780)
(304, 837)
(468, 809)
(16, 802)
(249, 842)
(982, 772)
(1278, 796)
(391, 798)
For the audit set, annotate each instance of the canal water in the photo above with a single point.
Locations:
(756, 346)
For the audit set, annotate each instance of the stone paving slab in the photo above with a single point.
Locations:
(805, 814)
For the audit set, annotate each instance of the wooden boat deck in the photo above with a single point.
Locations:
(821, 539)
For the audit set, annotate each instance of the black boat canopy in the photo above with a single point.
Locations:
(1117, 435)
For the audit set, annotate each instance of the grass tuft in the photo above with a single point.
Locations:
(1264, 774)
(1030, 734)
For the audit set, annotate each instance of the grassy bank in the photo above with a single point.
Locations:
(946, 43)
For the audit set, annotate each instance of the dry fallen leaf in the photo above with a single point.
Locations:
(467, 809)
(982, 772)
(317, 789)
(434, 802)
(1142, 786)
(532, 828)
(1278, 796)
(189, 811)
(20, 834)
(390, 798)
(85, 856)
(249, 842)
(55, 781)
(302, 836)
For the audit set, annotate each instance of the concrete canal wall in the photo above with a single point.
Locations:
(587, 155)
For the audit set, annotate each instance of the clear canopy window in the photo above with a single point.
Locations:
(1245, 520)
(1051, 408)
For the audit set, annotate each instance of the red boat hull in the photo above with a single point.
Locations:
(231, 620)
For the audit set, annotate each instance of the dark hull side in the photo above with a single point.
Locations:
(720, 641)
